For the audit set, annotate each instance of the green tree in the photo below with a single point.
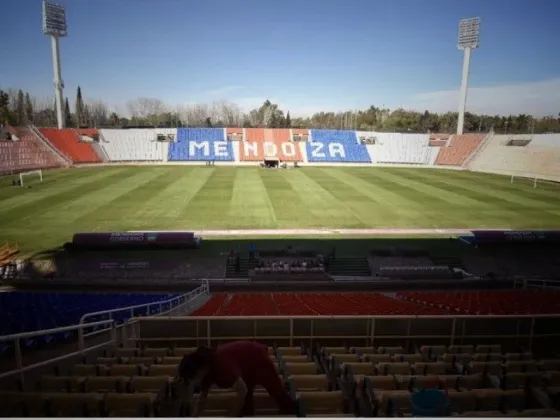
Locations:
(29, 114)
(6, 116)
(114, 120)
(79, 109)
(67, 114)
(288, 120)
(20, 108)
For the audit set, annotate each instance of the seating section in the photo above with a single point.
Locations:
(336, 146)
(135, 144)
(67, 141)
(398, 148)
(30, 311)
(459, 149)
(541, 156)
(310, 304)
(25, 154)
(501, 302)
(269, 143)
(324, 380)
(201, 144)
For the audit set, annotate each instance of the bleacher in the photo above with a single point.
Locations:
(397, 147)
(523, 155)
(459, 149)
(25, 154)
(30, 311)
(135, 145)
(336, 146)
(490, 302)
(335, 367)
(67, 141)
(201, 144)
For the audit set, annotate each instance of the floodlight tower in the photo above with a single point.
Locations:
(54, 25)
(468, 41)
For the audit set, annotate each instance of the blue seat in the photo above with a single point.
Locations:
(336, 146)
(31, 311)
(201, 144)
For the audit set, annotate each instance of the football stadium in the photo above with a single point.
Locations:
(383, 273)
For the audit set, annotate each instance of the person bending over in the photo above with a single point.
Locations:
(241, 366)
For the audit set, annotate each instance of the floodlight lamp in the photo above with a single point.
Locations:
(54, 20)
(469, 30)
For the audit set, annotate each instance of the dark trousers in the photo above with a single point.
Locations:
(268, 378)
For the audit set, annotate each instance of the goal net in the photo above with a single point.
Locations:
(533, 180)
(30, 173)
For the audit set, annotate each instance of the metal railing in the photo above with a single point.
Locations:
(525, 284)
(67, 160)
(177, 305)
(169, 304)
(365, 328)
(108, 325)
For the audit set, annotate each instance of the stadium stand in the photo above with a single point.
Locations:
(201, 144)
(523, 155)
(268, 143)
(337, 367)
(397, 148)
(490, 302)
(336, 146)
(68, 142)
(135, 144)
(459, 148)
(310, 304)
(24, 152)
(439, 139)
(30, 311)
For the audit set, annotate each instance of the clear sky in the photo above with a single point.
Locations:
(306, 55)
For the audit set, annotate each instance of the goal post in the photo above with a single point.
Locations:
(534, 179)
(24, 174)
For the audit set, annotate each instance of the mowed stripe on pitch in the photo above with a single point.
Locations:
(250, 205)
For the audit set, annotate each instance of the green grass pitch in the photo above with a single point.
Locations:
(194, 197)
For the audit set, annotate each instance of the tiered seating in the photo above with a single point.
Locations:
(460, 148)
(540, 157)
(201, 144)
(68, 143)
(478, 382)
(135, 144)
(312, 304)
(29, 311)
(398, 148)
(490, 302)
(25, 154)
(438, 139)
(333, 381)
(268, 143)
(317, 393)
(250, 304)
(336, 146)
(213, 306)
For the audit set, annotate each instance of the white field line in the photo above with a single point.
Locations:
(326, 231)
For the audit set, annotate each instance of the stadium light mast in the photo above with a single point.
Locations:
(54, 25)
(467, 41)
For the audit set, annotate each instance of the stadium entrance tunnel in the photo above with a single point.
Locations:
(271, 163)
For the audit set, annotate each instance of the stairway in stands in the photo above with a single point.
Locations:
(349, 266)
(245, 265)
(453, 262)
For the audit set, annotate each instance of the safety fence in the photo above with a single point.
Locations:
(527, 331)
(542, 284)
(101, 329)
